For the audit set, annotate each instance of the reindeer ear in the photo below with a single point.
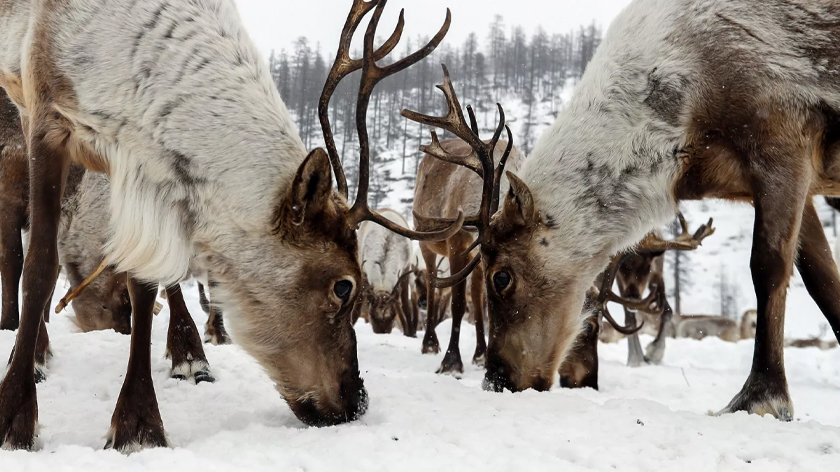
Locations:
(312, 188)
(519, 208)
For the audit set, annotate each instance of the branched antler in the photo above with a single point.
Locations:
(684, 242)
(479, 160)
(372, 74)
(654, 303)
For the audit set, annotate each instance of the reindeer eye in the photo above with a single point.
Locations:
(501, 280)
(342, 289)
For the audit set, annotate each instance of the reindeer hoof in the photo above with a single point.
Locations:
(146, 436)
(18, 415)
(204, 376)
(654, 356)
(216, 338)
(759, 397)
(136, 423)
(40, 374)
(451, 365)
(480, 359)
(195, 369)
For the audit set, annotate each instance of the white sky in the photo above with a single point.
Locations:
(275, 24)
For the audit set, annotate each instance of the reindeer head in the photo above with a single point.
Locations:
(534, 296)
(749, 322)
(105, 303)
(301, 331)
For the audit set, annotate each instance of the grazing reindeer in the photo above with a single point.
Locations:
(580, 368)
(386, 260)
(206, 170)
(641, 270)
(442, 190)
(816, 341)
(683, 100)
(702, 326)
(82, 237)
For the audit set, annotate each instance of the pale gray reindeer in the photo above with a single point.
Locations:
(81, 239)
(386, 264)
(175, 104)
(727, 329)
(684, 99)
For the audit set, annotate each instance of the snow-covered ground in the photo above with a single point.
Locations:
(646, 419)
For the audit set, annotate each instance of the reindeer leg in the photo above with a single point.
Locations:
(817, 267)
(136, 421)
(214, 329)
(183, 343)
(408, 314)
(477, 296)
(451, 363)
(49, 165)
(656, 350)
(430, 340)
(12, 221)
(781, 179)
(580, 369)
(635, 356)
(202, 299)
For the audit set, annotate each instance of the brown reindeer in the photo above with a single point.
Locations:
(632, 269)
(816, 341)
(442, 190)
(683, 100)
(207, 175)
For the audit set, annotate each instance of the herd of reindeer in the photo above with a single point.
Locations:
(145, 143)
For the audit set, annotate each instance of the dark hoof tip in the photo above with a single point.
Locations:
(204, 376)
(40, 375)
(109, 444)
(179, 377)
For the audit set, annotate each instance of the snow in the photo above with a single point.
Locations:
(645, 419)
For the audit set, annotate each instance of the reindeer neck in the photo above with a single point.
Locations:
(603, 172)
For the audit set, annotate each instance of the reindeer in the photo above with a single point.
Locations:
(104, 304)
(683, 100)
(702, 326)
(386, 260)
(815, 341)
(82, 236)
(207, 174)
(442, 190)
(635, 270)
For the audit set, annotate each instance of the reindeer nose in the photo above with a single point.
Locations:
(353, 403)
(497, 378)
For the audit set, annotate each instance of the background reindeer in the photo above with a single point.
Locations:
(386, 264)
(443, 189)
(702, 326)
(206, 169)
(664, 114)
(580, 368)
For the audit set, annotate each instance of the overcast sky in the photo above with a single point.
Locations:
(275, 24)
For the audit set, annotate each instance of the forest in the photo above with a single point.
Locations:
(526, 73)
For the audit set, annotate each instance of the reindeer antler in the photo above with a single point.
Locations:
(684, 242)
(479, 160)
(372, 74)
(653, 304)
